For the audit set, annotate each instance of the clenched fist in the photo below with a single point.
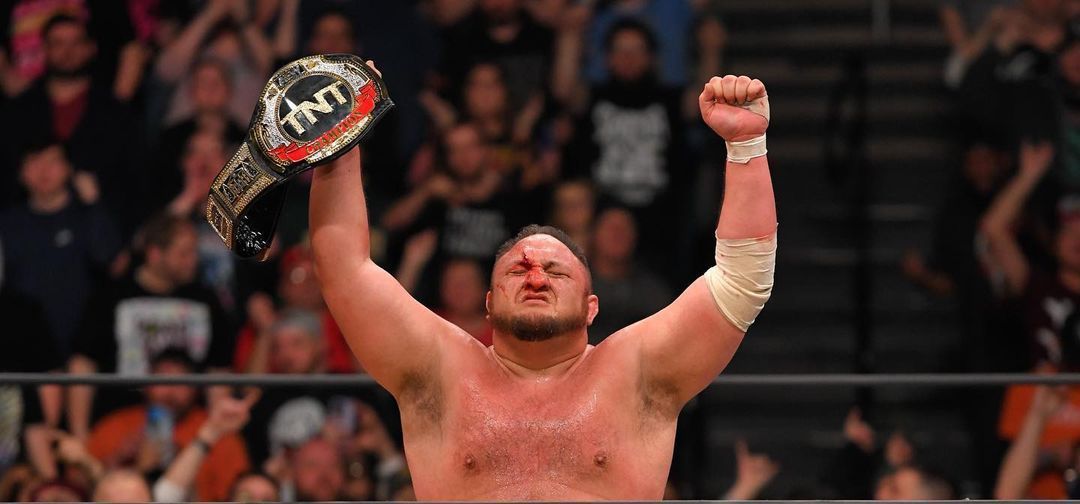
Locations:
(726, 108)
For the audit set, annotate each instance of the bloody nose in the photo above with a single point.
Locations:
(535, 280)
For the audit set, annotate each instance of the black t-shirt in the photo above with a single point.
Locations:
(629, 141)
(126, 326)
(475, 229)
(524, 59)
(1047, 305)
(25, 351)
(58, 260)
(625, 301)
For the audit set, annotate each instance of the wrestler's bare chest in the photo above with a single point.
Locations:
(585, 435)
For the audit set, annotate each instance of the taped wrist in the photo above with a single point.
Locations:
(742, 152)
(742, 280)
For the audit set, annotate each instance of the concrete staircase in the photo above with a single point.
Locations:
(799, 50)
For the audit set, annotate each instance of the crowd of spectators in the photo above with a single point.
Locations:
(580, 114)
(1006, 239)
(119, 115)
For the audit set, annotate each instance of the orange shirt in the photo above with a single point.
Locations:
(1062, 428)
(122, 429)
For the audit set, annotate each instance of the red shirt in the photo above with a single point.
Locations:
(66, 116)
(339, 356)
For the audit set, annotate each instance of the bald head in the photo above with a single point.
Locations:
(122, 486)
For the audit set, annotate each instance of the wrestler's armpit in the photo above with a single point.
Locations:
(421, 397)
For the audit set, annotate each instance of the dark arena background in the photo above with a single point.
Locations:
(920, 342)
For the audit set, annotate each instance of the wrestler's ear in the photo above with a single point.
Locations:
(594, 307)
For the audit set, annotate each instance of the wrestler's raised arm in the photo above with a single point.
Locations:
(685, 345)
(395, 338)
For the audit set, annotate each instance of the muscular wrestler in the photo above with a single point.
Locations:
(541, 414)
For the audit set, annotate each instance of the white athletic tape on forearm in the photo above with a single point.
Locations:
(743, 152)
(742, 280)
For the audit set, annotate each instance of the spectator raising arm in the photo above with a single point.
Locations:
(567, 86)
(999, 222)
(227, 416)
(1019, 465)
(752, 472)
(175, 59)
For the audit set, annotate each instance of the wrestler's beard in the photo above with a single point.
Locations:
(537, 327)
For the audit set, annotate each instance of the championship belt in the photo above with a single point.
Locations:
(312, 111)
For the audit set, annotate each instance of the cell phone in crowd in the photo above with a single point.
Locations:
(342, 412)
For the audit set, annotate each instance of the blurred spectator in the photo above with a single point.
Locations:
(157, 308)
(296, 346)
(447, 13)
(317, 472)
(461, 298)
(465, 202)
(204, 156)
(24, 54)
(499, 31)
(953, 265)
(227, 416)
(149, 437)
(58, 246)
(57, 491)
(753, 471)
(462, 285)
(1032, 470)
(99, 135)
(631, 292)
(629, 138)
(62, 463)
(332, 32)
(1068, 84)
(210, 93)
(913, 484)
(254, 487)
(22, 51)
(222, 30)
(1010, 60)
(298, 290)
(415, 259)
(507, 131)
(670, 20)
(971, 27)
(1047, 297)
(27, 352)
(122, 486)
(375, 466)
(573, 210)
(864, 457)
(284, 419)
